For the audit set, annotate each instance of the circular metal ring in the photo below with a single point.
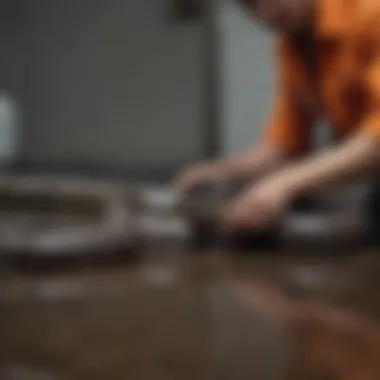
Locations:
(52, 217)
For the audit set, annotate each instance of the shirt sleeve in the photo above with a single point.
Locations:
(371, 121)
(290, 126)
(368, 39)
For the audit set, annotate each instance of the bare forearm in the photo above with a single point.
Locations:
(259, 159)
(354, 159)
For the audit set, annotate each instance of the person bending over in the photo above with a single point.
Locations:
(328, 68)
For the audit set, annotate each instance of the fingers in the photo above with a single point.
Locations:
(190, 179)
(255, 209)
(183, 183)
(197, 176)
(242, 215)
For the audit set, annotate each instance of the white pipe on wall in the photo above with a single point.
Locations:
(8, 129)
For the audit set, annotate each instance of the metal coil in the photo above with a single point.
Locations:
(60, 216)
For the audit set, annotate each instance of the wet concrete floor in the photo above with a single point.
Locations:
(194, 316)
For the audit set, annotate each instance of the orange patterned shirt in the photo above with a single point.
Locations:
(347, 94)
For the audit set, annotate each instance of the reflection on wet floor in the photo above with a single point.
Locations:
(185, 318)
(126, 323)
(21, 372)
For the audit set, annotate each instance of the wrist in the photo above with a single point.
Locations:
(228, 168)
(292, 184)
(289, 182)
(235, 167)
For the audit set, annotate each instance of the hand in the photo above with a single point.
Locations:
(260, 206)
(198, 175)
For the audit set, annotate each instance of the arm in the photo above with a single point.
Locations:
(356, 158)
(262, 203)
(260, 158)
(288, 134)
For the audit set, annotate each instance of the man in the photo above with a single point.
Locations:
(328, 58)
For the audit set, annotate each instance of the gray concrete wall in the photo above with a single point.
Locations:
(112, 82)
(12, 50)
(246, 75)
